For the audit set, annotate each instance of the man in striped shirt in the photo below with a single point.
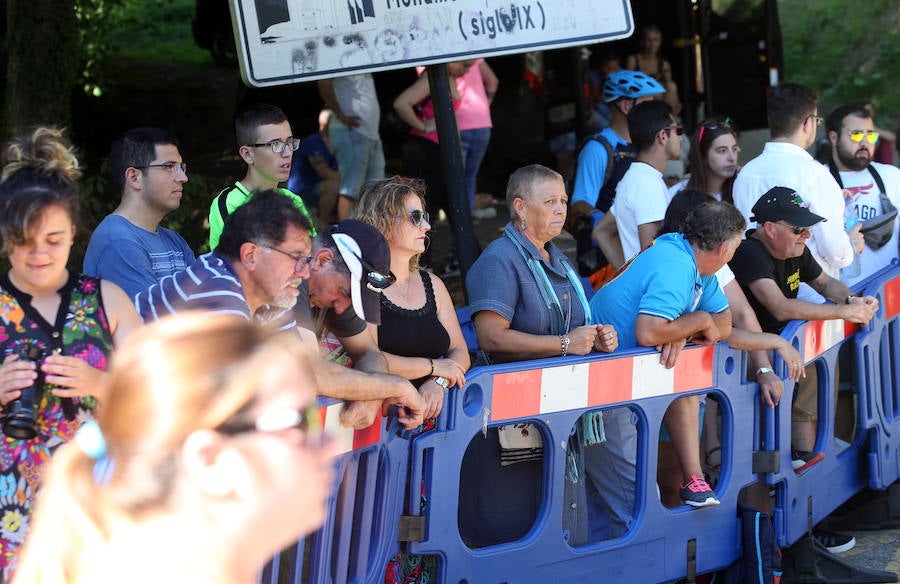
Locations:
(263, 257)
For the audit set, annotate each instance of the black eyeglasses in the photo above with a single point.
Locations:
(300, 262)
(306, 420)
(679, 130)
(277, 146)
(794, 228)
(170, 166)
(418, 217)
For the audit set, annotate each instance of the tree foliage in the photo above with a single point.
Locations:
(847, 51)
(50, 49)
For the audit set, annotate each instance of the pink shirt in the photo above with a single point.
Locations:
(474, 110)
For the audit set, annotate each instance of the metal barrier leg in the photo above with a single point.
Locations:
(868, 510)
(809, 561)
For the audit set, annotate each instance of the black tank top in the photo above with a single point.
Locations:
(413, 333)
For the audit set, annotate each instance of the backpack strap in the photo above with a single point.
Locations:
(877, 178)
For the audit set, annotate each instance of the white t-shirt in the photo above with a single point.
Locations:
(356, 96)
(641, 197)
(868, 204)
(681, 185)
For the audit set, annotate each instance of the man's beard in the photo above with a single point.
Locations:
(852, 161)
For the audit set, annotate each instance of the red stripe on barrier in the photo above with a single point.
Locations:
(850, 328)
(694, 369)
(892, 298)
(368, 436)
(813, 341)
(609, 381)
(516, 394)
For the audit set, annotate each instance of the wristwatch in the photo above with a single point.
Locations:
(848, 299)
(762, 370)
(442, 382)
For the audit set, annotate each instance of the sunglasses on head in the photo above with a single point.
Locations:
(418, 217)
(712, 127)
(375, 280)
(305, 419)
(856, 136)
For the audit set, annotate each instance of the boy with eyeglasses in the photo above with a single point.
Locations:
(873, 188)
(266, 144)
(793, 119)
(129, 247)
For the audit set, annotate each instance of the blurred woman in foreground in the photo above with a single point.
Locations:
(206, 460)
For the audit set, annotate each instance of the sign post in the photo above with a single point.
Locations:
(288, 41)
(285, 41)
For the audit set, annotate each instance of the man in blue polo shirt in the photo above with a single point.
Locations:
(668, 295)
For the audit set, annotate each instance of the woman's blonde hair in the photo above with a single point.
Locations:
(182, 374)
(37, 170)
(380, 203)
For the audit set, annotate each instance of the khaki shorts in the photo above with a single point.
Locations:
(805, 407)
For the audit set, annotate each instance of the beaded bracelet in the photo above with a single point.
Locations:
(564, 345)
(430, 373)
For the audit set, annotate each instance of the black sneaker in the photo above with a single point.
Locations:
(834, 542)
(802, 460)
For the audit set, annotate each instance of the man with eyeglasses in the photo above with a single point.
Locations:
(129, 247)
(266, 145)
(258, 272)
(793, 120)
(770, 264)
(872, 188)
(642, 196)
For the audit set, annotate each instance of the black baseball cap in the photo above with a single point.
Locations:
(784, 204)
(366, 253)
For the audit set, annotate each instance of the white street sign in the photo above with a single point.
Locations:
(285, 41)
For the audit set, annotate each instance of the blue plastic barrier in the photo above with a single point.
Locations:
(655, 548)
(379, 481)
(360, 533)
(815, 493)
(884, 393)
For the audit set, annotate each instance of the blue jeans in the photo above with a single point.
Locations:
(474, 144)
(611, 472)
(359, 158)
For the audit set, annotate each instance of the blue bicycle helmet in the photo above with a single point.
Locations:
(630, 84)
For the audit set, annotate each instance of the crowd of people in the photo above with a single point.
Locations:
(187, 384)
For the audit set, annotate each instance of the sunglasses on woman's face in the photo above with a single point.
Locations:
(418, 217)
(306, 419)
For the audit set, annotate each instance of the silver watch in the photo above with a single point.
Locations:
(442, 382)
(762, 370)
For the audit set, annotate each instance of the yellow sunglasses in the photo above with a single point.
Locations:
(857, 136)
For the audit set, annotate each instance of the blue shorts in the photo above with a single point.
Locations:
(359, 158)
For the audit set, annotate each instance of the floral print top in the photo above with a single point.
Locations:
(80, 330)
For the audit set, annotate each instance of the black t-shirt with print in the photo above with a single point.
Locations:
(751, 262)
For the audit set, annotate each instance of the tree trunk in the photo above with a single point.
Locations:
(42, 57)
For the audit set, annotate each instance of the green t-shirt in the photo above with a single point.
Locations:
(234, 198)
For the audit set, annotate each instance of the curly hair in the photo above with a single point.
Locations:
(39, 170)
(712, 223)
(381, 202)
